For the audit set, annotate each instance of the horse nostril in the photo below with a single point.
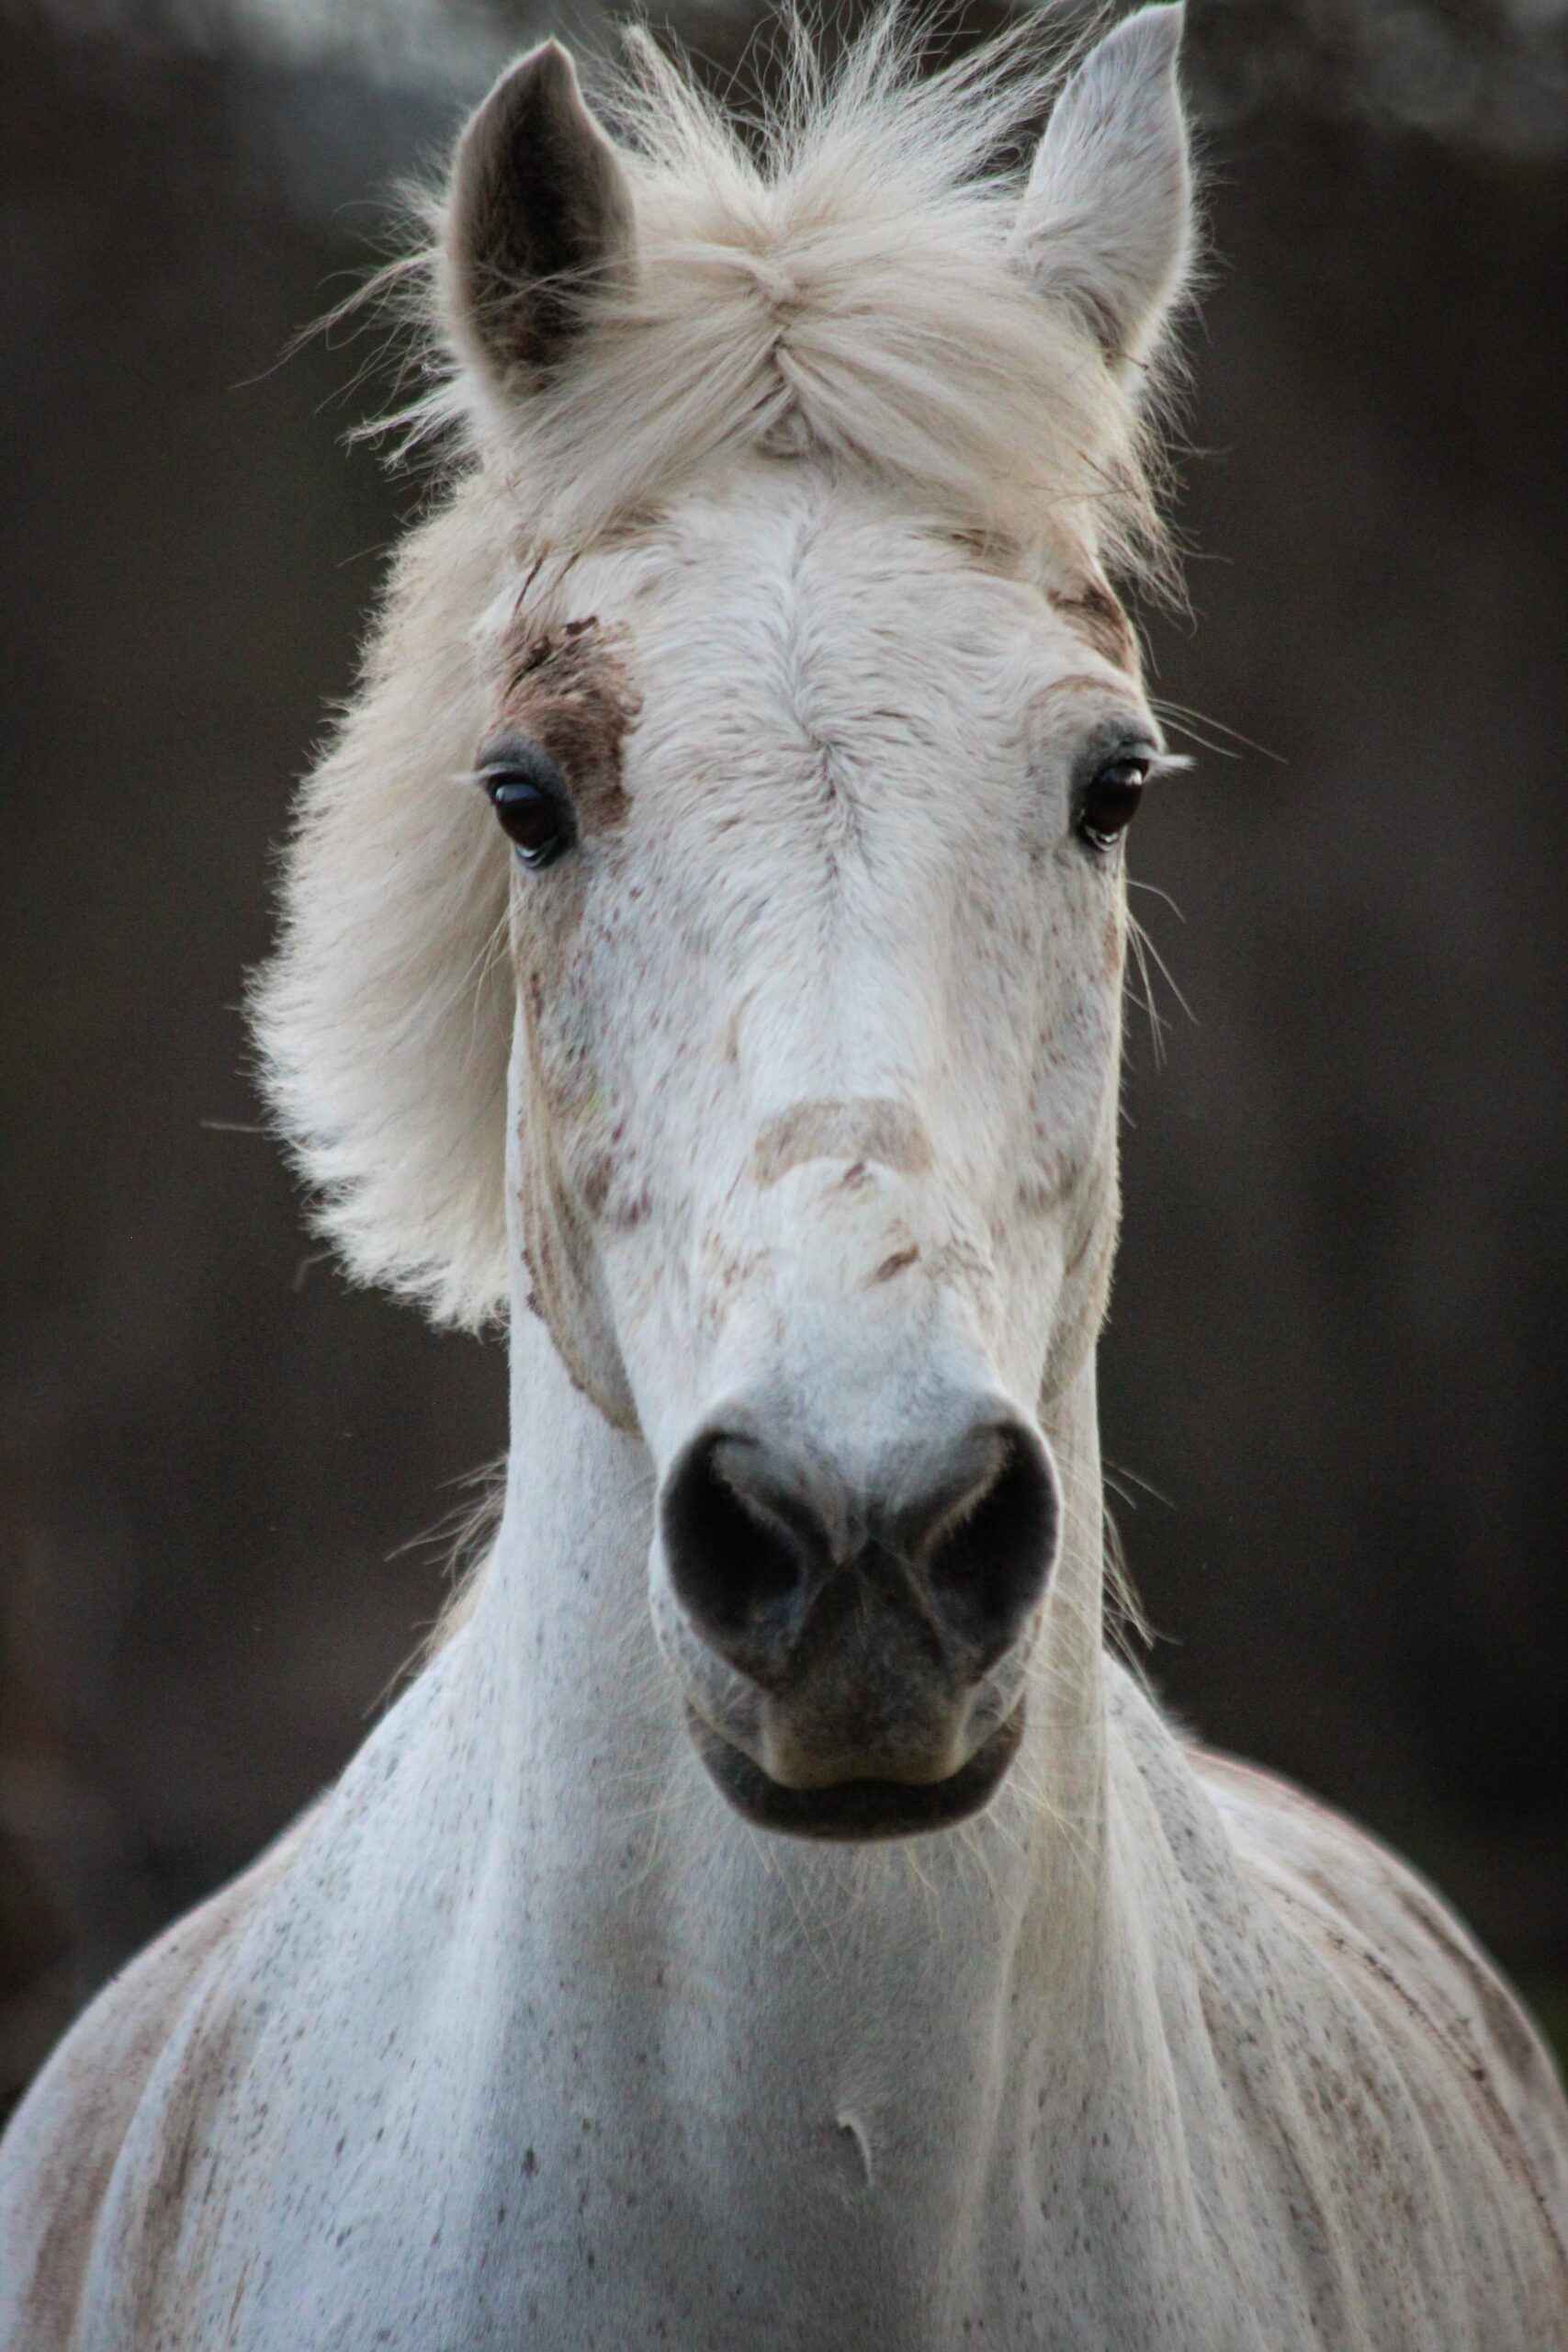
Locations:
(965, 1551)
(987, 1565)
(740, 1557)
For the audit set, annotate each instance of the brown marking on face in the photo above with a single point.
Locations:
(1077, 684)
(962, 1261)
(598, 1176)
(897, 1263)
(569, 690)
(1044, 1184)
(993, 551)
(608, 1183)
(864, 1130)
(1093, 613)
(565, 1286)
(725, 1270)
(565, 1283)
(626, 529)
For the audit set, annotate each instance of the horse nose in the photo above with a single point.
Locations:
(772, 1549)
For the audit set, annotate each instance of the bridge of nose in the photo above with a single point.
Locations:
(846, 1301)
(864, 1131)
(849, 1200)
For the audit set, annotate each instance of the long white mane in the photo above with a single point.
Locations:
(838, 278)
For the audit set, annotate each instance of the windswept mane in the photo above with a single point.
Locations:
(837, 272)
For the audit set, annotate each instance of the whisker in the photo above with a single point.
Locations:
(1147, 946)
(1137, 1478)
(1178, 711)
(1153, 890)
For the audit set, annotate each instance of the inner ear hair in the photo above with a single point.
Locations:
(539, 220)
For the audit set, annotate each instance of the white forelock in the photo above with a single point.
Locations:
(843, 276)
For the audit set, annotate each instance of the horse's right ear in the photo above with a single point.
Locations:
(539, 221)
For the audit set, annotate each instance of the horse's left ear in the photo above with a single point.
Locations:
(539, 221)
(1104, 225)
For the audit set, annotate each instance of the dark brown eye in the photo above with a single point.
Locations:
(530, 798)
(1110, 800)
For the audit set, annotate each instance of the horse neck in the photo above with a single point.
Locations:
(605, 1802)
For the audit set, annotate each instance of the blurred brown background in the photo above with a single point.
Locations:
(1335, 1350)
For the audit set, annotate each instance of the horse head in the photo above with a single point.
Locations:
(751, 745)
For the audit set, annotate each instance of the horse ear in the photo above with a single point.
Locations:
(1104, 225)
(538, 221)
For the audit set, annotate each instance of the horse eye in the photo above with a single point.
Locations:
(532, 804)
(1110, 800)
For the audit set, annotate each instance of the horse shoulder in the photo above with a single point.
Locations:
(59, 2157)
(1410, 1962)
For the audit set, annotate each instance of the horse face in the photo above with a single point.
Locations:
(819, 927)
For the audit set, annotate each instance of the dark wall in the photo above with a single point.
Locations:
(1334, 1344)
(212, 1451)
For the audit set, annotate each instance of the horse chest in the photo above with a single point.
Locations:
(602, 2191)
(564, 2246)
(456, 2095)
(574, 2191)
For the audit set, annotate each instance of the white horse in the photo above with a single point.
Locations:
(707, 932)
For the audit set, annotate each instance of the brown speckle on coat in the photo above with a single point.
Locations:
(1093, 613)
(896, 1262)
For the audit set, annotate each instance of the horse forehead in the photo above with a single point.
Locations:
(795, 649)
(804, 596)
